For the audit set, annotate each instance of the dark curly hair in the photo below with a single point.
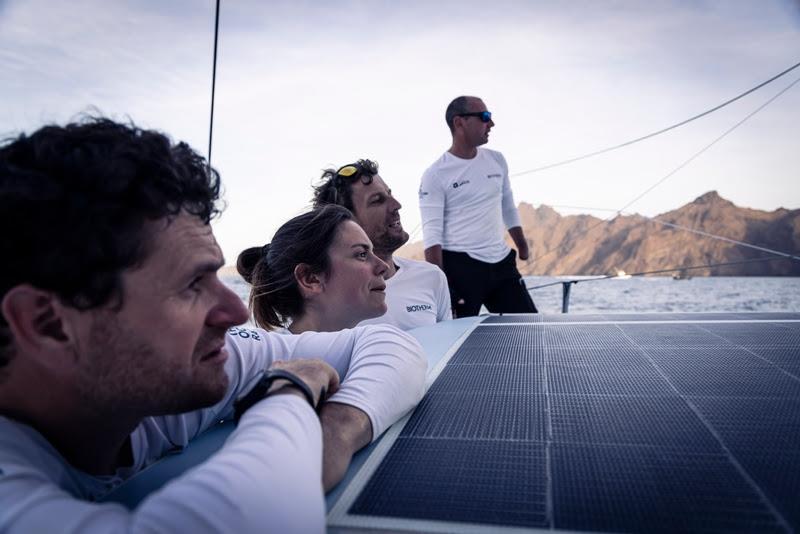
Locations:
(275, 295)
(336, 187)
(74, 200)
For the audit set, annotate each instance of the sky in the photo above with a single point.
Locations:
(305, 85)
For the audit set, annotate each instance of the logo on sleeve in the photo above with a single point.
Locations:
(244, 333)
(418, 308)
(456, 185)
(498, 175)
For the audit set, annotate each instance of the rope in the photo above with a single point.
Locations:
(213, 83)
(727, 239)
(659, 132)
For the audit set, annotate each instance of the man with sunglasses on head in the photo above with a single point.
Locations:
(467, 204)
(416, 292)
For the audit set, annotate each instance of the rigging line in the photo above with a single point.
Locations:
(213, 83)
(585, 208)
(413, 233)
(714, 142)
(659, 132)
(723, 238)
(658, 271)
(727, 239)
(681, 166)
(694, 231)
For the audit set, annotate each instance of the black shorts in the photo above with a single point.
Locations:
(473, 283)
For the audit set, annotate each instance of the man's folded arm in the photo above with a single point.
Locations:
(385, 379)
(265, 478)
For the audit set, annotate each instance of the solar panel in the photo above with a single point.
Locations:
(649, 423)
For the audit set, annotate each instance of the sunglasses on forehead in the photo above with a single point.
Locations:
(347, 171)
(348, 174)
(484, 116)
(365, 172)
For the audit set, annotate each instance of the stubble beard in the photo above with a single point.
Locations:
(386, 244)
(123, 375)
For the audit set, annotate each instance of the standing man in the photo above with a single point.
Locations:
(466, 204)
(416, 292)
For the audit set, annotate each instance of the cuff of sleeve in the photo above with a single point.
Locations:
(512, 220)
(343, 397)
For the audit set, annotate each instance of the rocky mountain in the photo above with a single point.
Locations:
(587, 245)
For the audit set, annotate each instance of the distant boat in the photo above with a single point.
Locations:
(622, 275)
(681, 275)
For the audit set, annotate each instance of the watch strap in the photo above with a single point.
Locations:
(261, 390)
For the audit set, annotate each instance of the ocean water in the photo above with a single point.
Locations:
(663, 294)
(652, 294)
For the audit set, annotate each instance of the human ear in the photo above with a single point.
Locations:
(35, 318)
(309, 282)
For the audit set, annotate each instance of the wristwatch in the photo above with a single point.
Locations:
(261, 390)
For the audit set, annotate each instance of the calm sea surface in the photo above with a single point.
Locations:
(653, 294)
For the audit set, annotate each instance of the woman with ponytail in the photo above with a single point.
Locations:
(319, 273)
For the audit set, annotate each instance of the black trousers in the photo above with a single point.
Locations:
(473, 283)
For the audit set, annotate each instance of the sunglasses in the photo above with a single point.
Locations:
(365, 172)
(349, 174)
(347, 171)
(485, 116)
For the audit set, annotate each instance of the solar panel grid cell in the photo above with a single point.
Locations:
(785, 358)
(754, 424)
(475, 379)
(729, 381)
(499, 416)
(619, 358)
(517, 318)
(701, 358)
(768, 335)
(589, 318)
(776, 473)
(570, 380)
(670, 335)
(568, 335)
(777, 355)
(666, 423)
(437, 479)
(493, 355)
(646, 489)
(522, 336)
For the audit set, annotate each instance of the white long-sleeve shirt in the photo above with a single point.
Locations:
(467, 205)
(267, 476)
